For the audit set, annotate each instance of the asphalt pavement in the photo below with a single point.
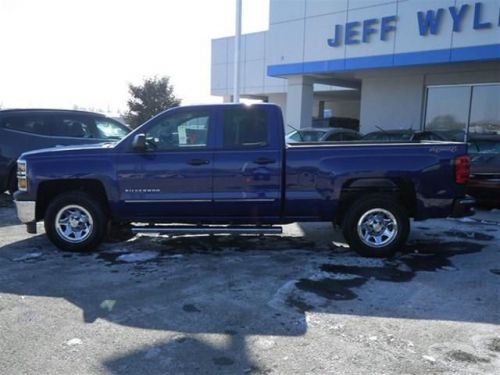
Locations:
(298, 303)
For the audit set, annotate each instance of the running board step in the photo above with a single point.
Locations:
(208, 230)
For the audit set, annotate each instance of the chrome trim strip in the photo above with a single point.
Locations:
(26, 211)
(209, 230)
(246, 200)
(197, 200)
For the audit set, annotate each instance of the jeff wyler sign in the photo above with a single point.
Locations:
(429, 22)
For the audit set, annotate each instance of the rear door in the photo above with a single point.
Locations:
(247, 164)
(27, 131)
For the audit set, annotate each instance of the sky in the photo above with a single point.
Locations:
(67, 53)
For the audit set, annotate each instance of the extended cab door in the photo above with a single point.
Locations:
(247, 163)
(172, 178)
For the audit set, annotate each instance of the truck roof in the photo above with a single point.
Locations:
(28, 110)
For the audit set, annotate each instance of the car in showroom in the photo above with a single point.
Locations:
(24, 130)
(484, 183)
(322, 135)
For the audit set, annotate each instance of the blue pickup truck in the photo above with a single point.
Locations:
(227, 169)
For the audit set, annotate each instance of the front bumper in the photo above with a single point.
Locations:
(26, 211)
(463, 207)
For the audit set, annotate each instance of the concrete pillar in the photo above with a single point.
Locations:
(227, 99)
(299, 102)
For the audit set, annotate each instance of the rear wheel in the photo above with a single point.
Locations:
(376, 226)
(75, 222)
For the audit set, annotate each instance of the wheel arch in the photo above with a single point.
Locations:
(48, 190)
(402, 190)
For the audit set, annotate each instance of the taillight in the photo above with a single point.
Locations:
(462, 169)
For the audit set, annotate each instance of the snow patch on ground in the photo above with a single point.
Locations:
(73, 342)
(138, 257)
(27, 256)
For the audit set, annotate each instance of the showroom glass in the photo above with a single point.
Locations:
(448, 111)
(245, 128)
(182, 130)
(485, 110)
(452, 111)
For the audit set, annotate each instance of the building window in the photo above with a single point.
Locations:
(454, 111)
(485, 110)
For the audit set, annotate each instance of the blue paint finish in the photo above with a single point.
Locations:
(419, 58)
(358, 63)
(368, 29)
(337, 37)
(291, 69)
(241, 186)
(314, 178)
(333, 65)
(491, 52)
(387, 26)
(484, 53)
(302, 182)
(458, 16)
(478, 25)
(429, 21)
(351, 32)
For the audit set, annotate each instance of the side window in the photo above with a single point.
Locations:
(108, 129)
(180, 130)
(35, 124)
(75, 127)
(245, 128)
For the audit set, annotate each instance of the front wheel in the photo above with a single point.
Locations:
(75, 222)
(376, 226)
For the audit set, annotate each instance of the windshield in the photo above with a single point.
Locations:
(110, 129)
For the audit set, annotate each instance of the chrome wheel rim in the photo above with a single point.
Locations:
(74, 223)
(377, 228)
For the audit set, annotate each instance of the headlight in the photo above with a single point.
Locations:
(22, 173)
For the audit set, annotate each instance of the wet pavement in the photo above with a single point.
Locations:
(299, 303)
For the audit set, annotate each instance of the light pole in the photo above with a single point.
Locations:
(236, 79)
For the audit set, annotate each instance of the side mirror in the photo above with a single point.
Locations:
(139, 143)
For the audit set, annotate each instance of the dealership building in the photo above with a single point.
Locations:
(394, 64)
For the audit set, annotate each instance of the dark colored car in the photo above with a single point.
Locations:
(24, 130)
(484, 183)
(322, 135)
(337, 122)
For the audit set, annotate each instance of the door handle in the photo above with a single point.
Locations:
(264, 161)
(197, 162)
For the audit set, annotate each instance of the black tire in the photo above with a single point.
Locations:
(93, 237)
(119, 232)
(373, 209)
(12, 183)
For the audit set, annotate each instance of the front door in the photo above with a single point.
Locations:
(173, 177)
